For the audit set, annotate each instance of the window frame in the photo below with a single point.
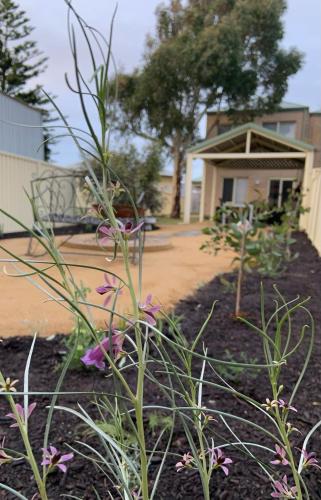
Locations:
(278, 123)
(280, 179)
(233, 202)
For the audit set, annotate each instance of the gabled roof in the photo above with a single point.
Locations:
(242, 129)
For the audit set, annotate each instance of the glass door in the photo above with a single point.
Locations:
(287, 187)
(279, 191)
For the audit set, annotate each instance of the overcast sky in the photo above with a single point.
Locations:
(135, 18)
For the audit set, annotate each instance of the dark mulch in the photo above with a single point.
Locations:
(246, 481)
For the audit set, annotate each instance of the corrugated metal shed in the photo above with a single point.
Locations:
(23, 141)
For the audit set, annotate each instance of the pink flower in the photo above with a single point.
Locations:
(21, 412)
(309, 460)
(108, 287)
(4, 457)
(185, 462)
(53, 458)
(244, 227)
(127, 229)
(282, 490)
(285, 406)
(148, 311)
(280, 456)
(218, 460)
(96, 355)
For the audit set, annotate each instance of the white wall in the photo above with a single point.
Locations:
(16, 173)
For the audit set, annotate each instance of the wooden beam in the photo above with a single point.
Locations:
(213, 192)
(248, 156)
(248, 141)
(202, 202)
(188, 189)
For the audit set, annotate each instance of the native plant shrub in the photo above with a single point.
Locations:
(238, 234)
(266, 248)
(135, 349)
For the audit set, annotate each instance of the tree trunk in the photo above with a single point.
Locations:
(177, 181)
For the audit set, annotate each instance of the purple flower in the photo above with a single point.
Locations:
(218, 460)
(309, 460)
(53, 458)
(109, 234)
(21, 412)
(282, 490)
(127, 229)
(285, 406)
(280, 455)
(148, 311)
(185, 462)
(108, 287)
(96, 355)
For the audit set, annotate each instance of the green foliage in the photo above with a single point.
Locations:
(233, 373)
(84, 341)
(203, 54)
(82, 331)
(228, 286)
(272, 251)
(172, 321)
(140, 173)
(21, 60)
(257, 245)
(158, 422)
(267, 248)
(112, 430)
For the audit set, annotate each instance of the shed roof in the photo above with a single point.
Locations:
(283, 106)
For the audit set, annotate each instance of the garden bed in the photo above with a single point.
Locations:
(225, 338)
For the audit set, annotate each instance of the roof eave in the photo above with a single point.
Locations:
(197, 148)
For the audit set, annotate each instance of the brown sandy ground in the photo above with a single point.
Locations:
(168, 275)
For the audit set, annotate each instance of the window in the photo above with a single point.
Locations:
(284, 128)
(271, 126)
(235, 190)
(287, 129)
(227, 190)
(279, 191)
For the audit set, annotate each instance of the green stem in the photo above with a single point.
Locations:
(286, 442)
(205, 476)
(33, 464)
